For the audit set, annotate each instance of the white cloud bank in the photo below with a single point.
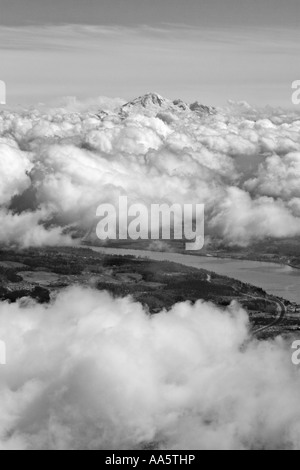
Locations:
(93, 372)
(62, 163)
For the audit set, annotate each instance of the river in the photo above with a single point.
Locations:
(280, 280)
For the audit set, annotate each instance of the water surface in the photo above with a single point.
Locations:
(280, 280)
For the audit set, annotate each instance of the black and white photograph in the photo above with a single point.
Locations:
(149, 227)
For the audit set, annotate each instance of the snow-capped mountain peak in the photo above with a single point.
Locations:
(153, 104)
(147, 101)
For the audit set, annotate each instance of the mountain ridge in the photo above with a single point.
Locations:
(153, 103)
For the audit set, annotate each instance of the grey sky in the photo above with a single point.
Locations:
(129, 12)
(210, 50)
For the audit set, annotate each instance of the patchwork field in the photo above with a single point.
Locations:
(40, 274)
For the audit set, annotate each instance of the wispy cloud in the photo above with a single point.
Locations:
(208, 64)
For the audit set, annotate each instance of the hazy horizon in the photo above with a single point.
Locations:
(196, 50)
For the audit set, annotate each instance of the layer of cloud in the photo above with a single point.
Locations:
(57, 166)
(93, 372)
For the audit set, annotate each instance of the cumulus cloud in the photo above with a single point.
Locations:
(27, 230)
(93, 372)
(243, 163)
(240, 219)
(14, 168)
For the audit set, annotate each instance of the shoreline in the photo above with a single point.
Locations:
(191, 253)
(275, 283)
